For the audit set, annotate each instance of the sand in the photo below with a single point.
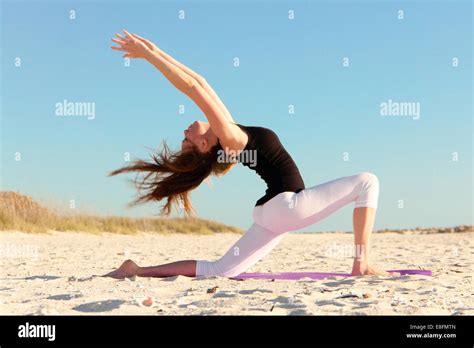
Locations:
(55, 274)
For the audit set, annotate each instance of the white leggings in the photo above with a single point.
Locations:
(289, 211)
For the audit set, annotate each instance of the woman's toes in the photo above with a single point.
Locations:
(110, 274)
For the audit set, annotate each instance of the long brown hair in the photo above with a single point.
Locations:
(172, 175)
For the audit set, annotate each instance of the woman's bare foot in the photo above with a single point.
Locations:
(128, 269)
(364, 269)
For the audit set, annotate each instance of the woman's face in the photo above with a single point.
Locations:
(195, 135)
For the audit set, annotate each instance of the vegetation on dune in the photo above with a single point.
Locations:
(22, 213)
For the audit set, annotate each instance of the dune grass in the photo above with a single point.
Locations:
(21, 213)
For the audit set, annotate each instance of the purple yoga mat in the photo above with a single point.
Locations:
(318, 275)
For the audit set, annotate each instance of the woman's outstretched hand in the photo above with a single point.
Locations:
(133, 45)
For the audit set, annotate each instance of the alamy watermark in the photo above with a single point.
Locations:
(336, 250)
(28, 330)
(68, 108)
(248, 157)
(19, 251)
(394, 108)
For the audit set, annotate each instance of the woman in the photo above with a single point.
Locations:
(287, 204)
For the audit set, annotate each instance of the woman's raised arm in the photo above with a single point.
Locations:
(201, 80)
(187, 84)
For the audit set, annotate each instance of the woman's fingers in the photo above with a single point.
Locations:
(131, 45)
(118, 48)
(121, 37)
(145, 41)
(130, 55)
(119, 41)
(140, 38)
(148, 42)
(128, 35)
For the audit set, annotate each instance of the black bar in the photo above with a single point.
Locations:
(241, 330)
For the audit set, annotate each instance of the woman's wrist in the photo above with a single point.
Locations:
(149, 54)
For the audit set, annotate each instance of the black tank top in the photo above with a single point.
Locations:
(265, 154)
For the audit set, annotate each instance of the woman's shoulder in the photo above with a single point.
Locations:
(258, 132)
(254, 129)
(239, 140)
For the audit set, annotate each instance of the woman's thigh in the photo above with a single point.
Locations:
(291, 211)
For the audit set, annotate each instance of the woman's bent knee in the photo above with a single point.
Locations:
(369, 192)
(369, 178)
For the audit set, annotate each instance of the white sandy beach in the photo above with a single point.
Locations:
(54, 274)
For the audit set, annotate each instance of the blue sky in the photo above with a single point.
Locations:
(282, 62)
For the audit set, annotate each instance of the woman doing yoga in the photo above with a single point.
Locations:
(287, 205)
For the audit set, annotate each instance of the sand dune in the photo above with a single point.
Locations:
(56, 274)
